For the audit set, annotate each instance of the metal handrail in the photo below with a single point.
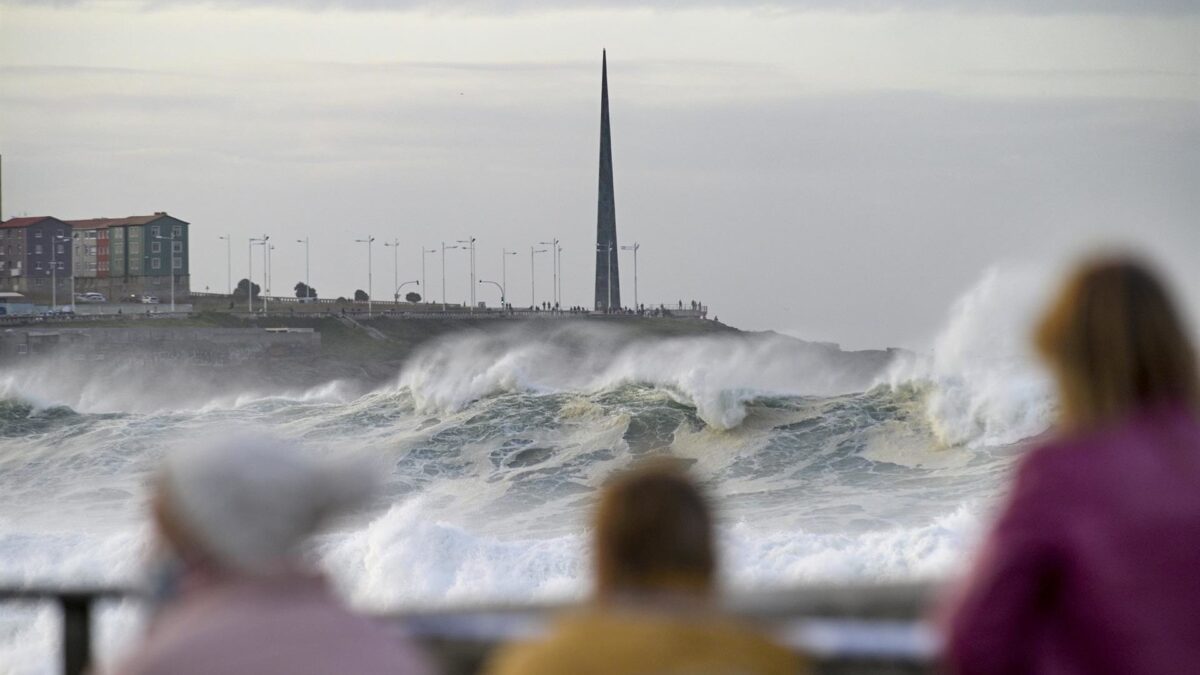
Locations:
(840, 624)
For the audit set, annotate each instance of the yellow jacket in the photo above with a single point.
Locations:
(627, 642)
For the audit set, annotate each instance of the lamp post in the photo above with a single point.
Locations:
(250, 271)
(533, 276)
(444, 247)
(228, 262)
(609, 248)
(54, 274)
(407, 283)
(267, 281)
(485, 281)
(370, 275)
(423, 252)
(470, 245)
(307, 281)
(266, 287)
(394, 244)
(504, 272)
(170, 264)
(553, 244)
(634, 248)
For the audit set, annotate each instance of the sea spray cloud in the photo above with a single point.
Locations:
(985, 385)
(718, 374)
(127, 386)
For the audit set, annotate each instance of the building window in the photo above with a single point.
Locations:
(37, 234)
(37, 266)
(153, 230)
(59, 248)
(37, 250)
(176, 262)
(177, 247)
(135, 248)
(155, 264)
(177, 230)
(155, 247)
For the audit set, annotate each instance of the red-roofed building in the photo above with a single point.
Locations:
(120, 257)
(133, 255)
(34, 252)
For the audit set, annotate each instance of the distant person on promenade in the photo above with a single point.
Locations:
(1093, 564)
(232, 592)
(653, 609)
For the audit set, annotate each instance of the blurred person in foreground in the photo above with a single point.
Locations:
(232, 592)
(1092, 566)
(654, 609)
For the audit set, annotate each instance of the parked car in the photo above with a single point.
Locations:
(95, 297)
(149, 300)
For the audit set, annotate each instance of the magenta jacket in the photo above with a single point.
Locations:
(1094, 564)
(288, 624)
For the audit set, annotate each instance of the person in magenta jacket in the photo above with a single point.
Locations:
(1094, 563)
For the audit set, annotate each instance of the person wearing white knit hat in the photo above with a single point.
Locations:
(233, 517)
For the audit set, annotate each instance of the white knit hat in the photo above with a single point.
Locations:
(250, 501)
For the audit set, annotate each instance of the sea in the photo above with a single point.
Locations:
(823, 465)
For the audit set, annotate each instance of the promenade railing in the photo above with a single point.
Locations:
(868, 630)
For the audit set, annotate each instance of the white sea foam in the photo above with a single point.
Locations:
(985, 386)
(718, 374)
(125, 387)
(408, 556)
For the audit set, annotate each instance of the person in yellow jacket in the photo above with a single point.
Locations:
(653, 609)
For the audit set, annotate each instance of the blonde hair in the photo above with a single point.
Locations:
(1116, 344)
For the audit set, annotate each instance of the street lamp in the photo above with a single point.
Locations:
(470, 245)
(370, 278)
(553, 244)
(485, 281)
(423, 252)
(504, 268)
(444, 247)
(395, 246)
(407, 283)
(254, 241)
(170, 264)
(54, 274)
(601, 248)
(307, 282)
(634, 248)
(228, 262)
(533, 276)
(267, 277)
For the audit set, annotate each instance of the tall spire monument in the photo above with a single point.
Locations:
(608, 277)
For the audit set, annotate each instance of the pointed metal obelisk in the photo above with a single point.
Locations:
(608, 277)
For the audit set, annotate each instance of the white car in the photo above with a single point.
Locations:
(149, 300)
(94, 297)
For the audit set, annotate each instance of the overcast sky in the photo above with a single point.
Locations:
(839, 171)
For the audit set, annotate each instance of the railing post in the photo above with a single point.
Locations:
(77, 633)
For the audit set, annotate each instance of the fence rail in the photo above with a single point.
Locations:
(873, 629)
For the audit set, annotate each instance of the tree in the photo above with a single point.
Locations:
(240, 291)
(413, 297)
(303, 290)
(361, 296)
